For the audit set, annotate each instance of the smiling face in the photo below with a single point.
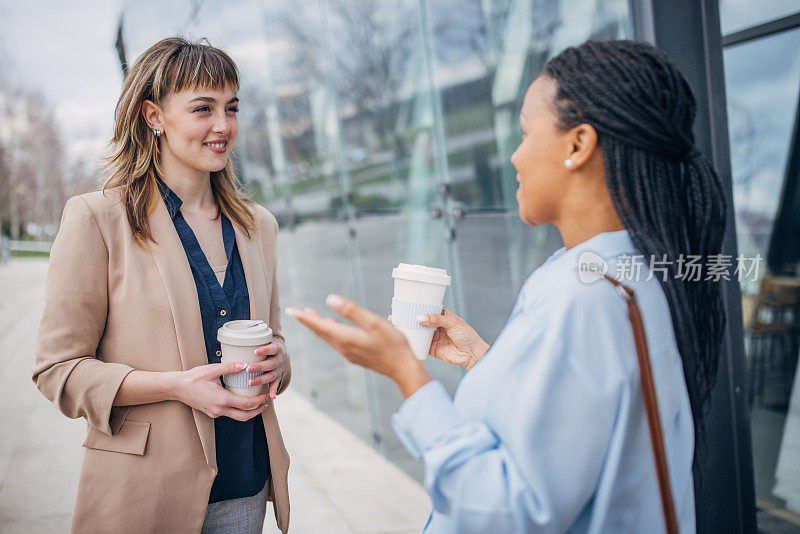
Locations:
(539, 159)
(199, 127)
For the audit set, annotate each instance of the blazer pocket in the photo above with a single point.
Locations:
(131, 438)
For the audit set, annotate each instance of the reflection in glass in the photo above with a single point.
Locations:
(379, 132)
(763, 121)
(736, 15)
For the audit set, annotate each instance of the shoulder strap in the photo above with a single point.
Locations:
(650, 405)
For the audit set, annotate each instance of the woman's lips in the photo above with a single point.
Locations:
(217, 148)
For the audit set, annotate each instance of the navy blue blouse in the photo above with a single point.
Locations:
(242, 458)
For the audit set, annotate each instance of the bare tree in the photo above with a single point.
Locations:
(31, 159)
(5, 193)
(370, 48)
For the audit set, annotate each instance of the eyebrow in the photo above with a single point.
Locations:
(212, 100)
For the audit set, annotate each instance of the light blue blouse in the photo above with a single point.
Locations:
(547, 432)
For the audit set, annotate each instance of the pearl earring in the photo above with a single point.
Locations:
(568, 163)
(157, 133)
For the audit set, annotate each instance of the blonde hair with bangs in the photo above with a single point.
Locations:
(169, 66)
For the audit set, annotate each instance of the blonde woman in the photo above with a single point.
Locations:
(141, 276)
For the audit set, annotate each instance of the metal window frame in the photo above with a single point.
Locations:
(689, 32)
(766, 29)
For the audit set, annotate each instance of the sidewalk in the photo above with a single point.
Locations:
(338, 484)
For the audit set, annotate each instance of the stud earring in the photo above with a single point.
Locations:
(157, 133)
(568, 163)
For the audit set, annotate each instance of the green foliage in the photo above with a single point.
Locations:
(29, 254)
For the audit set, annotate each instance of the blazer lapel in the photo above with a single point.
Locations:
(176, 275)
(253, 263)
(182, 293)
(251, 252)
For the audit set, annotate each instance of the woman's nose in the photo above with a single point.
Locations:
(221, 124)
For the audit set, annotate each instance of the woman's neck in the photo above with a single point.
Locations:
(192, 186)
(592, 219)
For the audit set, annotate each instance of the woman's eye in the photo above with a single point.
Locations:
(234, 109)
(201, 108)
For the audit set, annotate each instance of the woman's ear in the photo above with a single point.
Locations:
(583, 143)
(152, 115)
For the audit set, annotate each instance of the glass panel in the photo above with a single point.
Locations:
(386, 241)
(317, 371)
(487, 273)
(762, 109)
(735, 15)
(391, 159)
(485, 59)
(309, 188)
(367, 127)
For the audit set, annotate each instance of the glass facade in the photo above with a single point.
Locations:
(762, 98)
(380, 132)
(736, 15)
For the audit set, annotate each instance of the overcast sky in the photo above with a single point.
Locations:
(65, 50)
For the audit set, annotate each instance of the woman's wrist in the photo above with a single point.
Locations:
(174, 385)
(411, 377)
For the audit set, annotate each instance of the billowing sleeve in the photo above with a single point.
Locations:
(66, 369)
(532, 465)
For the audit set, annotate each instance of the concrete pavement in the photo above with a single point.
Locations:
(337, 483)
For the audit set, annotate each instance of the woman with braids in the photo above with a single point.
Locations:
(142, 275)
(547, 431)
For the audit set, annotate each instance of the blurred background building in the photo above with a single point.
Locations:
(380, 131)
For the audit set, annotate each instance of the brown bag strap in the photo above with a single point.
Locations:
(650, 405)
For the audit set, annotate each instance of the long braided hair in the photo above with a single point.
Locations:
(665, 192)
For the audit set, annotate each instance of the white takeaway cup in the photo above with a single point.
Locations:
(239, 340)
(418, 290)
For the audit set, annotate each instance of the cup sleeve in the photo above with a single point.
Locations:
(405, 313)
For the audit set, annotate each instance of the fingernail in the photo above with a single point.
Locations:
(250, 382)
(249, 369)
(272, 396)
(334, 301)
(241, 366)
(256, 351)
(422, 318)
(292, 311)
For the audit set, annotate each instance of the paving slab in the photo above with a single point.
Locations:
(338, 484)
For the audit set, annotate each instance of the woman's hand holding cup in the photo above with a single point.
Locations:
(272, 367)
(454, 341)
(201, 389)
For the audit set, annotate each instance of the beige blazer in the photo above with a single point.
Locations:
(111, 307)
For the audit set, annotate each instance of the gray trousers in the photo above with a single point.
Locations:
(237, 516)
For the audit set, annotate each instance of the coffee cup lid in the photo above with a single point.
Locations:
(245, 333)
(421, 273)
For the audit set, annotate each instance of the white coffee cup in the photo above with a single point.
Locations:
(418, 290)
(239, 340)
